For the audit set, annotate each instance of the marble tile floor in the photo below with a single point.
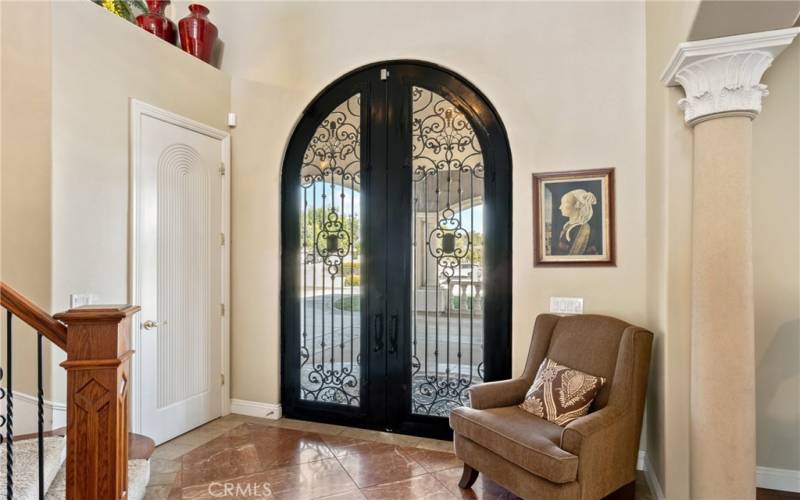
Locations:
(292, 459)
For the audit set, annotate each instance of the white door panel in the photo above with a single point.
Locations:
(179, 276)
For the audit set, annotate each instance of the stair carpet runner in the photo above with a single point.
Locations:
(26, 471)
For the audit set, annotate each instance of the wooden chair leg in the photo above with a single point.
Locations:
(468, 477)
(627, 492)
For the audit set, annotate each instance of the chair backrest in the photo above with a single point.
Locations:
(588, 342)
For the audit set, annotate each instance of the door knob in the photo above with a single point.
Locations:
(150, 324)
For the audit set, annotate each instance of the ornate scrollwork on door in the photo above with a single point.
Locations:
(335, 148)
(330, 180)
(333, 242)
(443, 243)
(447, 335)
(443, 138)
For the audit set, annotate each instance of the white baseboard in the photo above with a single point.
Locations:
(766, 477)
(26, 413)
(59, 414)
(652, 480)
(778, 479)
(256, 409)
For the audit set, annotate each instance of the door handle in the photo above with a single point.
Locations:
(150, 324)
(393, 335)
(378, 332)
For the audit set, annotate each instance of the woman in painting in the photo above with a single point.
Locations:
(576, 235)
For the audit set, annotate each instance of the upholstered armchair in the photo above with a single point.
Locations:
(590, 458)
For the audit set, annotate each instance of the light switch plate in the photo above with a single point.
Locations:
(81, 299)
(566, 305)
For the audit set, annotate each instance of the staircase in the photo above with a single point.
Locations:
(26, 466)
(94, 458)
(138, 477)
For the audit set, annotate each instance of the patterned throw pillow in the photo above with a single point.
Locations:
(561, 394)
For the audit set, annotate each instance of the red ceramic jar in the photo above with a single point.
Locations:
(198, 34)
(156, 23)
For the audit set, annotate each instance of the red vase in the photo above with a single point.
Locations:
(156, 23)
(198, 34)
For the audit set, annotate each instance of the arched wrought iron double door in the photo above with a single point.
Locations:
(396, 239)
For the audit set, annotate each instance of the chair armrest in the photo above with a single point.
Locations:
(589, 425)
(498, 394)
(606, 447)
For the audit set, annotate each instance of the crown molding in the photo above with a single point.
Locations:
(722, 76)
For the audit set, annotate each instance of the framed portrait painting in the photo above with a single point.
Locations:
(574, 217)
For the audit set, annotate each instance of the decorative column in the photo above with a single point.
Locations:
(722, 81)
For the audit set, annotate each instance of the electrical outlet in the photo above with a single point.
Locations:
(81, 299)
(566, 305)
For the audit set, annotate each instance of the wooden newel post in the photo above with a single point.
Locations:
(98, 381)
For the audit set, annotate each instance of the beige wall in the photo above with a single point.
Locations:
(81, 201)
(566, 105)
(25, 221)
(95, 73)
(669, 201)
(263, 114)
(776, 264)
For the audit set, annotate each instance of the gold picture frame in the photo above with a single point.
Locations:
(573, 214)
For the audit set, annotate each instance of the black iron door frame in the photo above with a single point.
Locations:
(386, 179)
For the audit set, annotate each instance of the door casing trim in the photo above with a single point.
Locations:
(138, 109)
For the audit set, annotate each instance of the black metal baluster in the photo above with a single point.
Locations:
(414, 271)
(341, 285)
(436, 296)
(427, 285)
(333, 284)
(2, 417)
(353, 263)
(322, 279)
(461, 290)
(305, 271)
(314, 278)
(40, 405)
(472, 275)
(449, 305)
(9, 413)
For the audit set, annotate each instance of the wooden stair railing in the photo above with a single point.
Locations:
(97, 342)
(36, 317)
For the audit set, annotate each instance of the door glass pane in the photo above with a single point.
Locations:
(447, 249)
(330, 260)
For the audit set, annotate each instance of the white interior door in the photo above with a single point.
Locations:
(180, 271)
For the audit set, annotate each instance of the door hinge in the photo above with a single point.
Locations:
(222, 239)
(222, 168)
(222, 309)
(221, 379)
(384, 73)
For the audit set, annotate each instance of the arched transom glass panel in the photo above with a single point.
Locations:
(447, 300)
(330, 265)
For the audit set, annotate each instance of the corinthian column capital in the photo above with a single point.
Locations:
(722, 76)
